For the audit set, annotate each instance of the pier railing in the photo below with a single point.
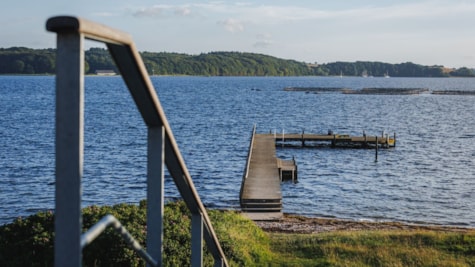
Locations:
(248, 162)
(162, 149)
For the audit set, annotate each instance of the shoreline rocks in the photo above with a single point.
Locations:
(378, 91)
(295, 224)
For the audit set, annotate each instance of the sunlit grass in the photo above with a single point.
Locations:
(375, 248)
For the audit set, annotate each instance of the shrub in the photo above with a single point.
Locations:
(30, 241)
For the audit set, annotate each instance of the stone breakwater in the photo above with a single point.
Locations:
(378, 91)
(387, 91)
(453, 92)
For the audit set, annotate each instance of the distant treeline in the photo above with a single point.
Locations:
(21, 60)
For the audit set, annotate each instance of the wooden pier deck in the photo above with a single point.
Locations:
(261, 197)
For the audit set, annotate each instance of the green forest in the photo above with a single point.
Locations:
(21, 60)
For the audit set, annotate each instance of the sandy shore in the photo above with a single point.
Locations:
(306, 225)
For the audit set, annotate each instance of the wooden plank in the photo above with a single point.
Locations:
(263, 216)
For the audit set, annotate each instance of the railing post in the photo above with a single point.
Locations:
(69, 148)
(69, 143)
(155, 192)
(197, 240)
(218, 262)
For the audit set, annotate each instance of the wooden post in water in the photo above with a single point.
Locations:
(303, 140)
(283, 137)
(394, 139)
(377, 146)
(387, 141)
(293, 171)
(365, 140)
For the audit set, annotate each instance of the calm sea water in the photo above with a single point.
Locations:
(428, 178)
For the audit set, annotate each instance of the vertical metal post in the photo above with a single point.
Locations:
(218, 262)
(197, 240)
(69, 148)
(155, 192)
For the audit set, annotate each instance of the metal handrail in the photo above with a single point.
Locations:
(109, 220)
(248, 162)
(251, 145)
(162, 147)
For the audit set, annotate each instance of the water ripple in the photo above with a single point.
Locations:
(428, 177)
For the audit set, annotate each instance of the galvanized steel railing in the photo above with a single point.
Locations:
(161, 149)
(248, 162)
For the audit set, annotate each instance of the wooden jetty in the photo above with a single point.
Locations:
(334, 140)
(260, 196)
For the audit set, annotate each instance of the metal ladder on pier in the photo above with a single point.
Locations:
(162, 149)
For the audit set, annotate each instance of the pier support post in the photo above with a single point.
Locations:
(283, 137)
(394, 139)
(377, 147)
(365, 144)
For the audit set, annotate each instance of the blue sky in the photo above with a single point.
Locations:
(420, 31)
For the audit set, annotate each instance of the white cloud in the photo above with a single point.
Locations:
(160, 11)
(104, 14)
(368, 29)
(155, 11)
(261, 13)
(263, 44)
(264, 40)
(232, 25)
(183, 11)
(263, 36)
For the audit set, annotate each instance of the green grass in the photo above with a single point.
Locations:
(375, 248)
(29, 242)
(345, 248)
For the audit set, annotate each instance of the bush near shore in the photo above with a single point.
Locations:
(29, 242)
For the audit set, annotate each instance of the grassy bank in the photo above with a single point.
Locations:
(29, 242)
(374, 248)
